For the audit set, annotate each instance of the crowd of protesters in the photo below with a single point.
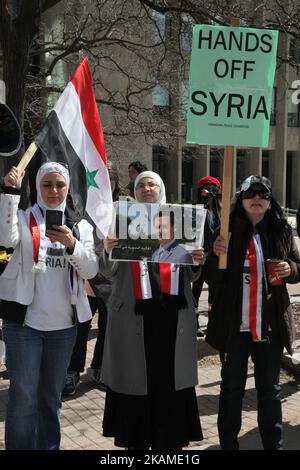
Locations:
(145, 357)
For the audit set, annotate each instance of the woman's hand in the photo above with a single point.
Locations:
(283, 269)
(110, 243)
(220, 246)
(62, 234)
(198, 255)
(14, 178)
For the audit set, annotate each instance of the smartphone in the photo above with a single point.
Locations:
(53, 218)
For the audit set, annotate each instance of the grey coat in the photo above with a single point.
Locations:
(124, 362)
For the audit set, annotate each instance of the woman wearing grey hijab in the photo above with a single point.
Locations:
(150, 353)
(43, 299)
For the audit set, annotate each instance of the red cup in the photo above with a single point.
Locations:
(274, 279)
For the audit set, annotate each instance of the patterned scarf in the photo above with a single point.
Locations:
(39, 239)
(257, 316)
(162, 282)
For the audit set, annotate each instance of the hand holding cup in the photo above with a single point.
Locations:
(277, 270)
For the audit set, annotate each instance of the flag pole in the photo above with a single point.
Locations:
(227, 183)
(27, 157)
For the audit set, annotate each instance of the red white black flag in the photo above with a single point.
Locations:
(73, 134)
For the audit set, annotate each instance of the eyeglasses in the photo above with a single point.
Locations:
(251, 193)
(146, 185)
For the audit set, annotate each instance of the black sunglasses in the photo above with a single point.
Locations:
(262, 193)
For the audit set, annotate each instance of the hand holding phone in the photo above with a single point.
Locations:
(54, 217)
(62, 234)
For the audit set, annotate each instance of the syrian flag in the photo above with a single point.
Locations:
(73, 134)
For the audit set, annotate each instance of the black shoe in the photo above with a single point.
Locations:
(200, 333)
(71, 384)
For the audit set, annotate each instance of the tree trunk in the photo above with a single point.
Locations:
(17, 30)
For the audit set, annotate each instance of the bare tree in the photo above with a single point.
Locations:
(130, 52)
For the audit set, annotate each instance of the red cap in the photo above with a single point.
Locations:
(209, 180)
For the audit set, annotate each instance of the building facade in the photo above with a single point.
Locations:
(280, 161)
(180, 164)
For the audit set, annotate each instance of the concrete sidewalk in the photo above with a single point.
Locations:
(82, 414)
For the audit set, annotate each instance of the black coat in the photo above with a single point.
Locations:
(226, 313)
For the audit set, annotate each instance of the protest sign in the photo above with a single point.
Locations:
(162, 233)
(231, 78)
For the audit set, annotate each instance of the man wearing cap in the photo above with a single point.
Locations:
(251, 315)
(209, 194)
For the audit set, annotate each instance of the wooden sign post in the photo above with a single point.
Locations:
(231, 78)
(227, 184)
(27, 157)
(226, 198)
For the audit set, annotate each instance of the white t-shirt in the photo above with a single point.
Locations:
(51, 307)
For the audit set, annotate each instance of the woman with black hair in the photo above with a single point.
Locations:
(134, 169)
(251, 316)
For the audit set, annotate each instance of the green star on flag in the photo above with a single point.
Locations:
(90, 178)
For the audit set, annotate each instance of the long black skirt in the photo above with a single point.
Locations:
(164, 418)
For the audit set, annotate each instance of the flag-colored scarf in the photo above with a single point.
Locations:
(257, 316)
(39, 240)
(162, 282)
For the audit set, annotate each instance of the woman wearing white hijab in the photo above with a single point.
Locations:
(142, 191)
(43, 299)
(150, 353)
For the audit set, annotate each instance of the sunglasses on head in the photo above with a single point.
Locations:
(262, 193)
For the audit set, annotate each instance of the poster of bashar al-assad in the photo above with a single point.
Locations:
(158, 233)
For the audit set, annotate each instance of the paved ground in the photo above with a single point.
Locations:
(82, 414)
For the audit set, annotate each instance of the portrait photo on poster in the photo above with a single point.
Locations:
(158, 233)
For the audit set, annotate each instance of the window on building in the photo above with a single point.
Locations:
(289, 171)
(292, 109)
(184, 97)
(295, 50)
(187, 175)
(186, 33)
(215, 162)
(169, 26)
(160, 161)
(265, 163)
(159, 26)
(160, 100)
(273, 108)
(240, 166)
